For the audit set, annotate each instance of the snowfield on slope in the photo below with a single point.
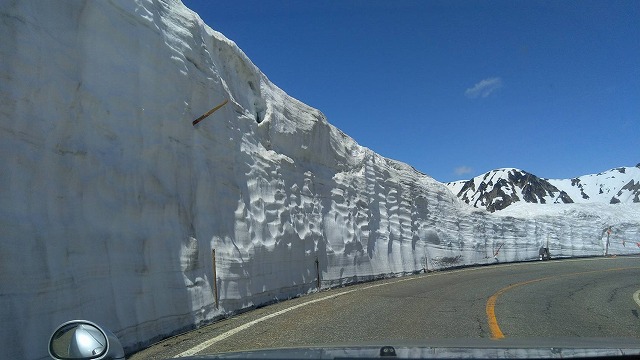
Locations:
(115, 208)
(500, 188)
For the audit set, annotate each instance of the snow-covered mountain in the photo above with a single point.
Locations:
(620, 185)
(116, 209)
(497, 189)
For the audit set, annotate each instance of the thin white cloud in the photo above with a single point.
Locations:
(484, 88)
(462, 170)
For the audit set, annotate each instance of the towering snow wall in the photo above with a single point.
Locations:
(112, 203)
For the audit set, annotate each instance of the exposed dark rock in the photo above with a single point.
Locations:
(502, 193)
(500, 188)
(533, 188)
(634, 187)
(564, 197)
(582, 193)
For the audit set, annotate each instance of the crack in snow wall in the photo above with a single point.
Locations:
(112, 202)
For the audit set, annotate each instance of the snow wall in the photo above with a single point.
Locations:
(112, 202)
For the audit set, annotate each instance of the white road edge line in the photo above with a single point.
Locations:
(196, 349)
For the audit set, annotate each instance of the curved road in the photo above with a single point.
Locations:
(569, 298)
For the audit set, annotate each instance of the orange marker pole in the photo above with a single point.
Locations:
(209, 113)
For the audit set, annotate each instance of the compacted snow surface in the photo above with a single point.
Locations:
(112, 202)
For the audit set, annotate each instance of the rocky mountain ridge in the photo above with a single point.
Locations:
(500, 188)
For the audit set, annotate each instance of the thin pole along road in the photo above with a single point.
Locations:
(594, 297)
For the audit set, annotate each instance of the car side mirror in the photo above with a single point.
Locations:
(81, 339)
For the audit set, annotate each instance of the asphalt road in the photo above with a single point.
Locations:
(569, 298)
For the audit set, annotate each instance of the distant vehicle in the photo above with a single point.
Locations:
(81, 339)
(544, 254)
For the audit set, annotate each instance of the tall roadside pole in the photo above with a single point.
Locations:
(548, 242)
(318, 274)
(606, 248)
(215, 277)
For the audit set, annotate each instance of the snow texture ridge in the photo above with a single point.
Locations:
(500, 188)
(115, 209)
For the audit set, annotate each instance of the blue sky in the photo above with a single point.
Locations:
(457, 88)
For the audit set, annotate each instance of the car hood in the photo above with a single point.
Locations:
(454, 349)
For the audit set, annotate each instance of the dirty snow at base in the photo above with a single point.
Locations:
(112, 201)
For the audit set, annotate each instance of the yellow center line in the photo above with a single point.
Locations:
(494, 328)
(496, 333)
